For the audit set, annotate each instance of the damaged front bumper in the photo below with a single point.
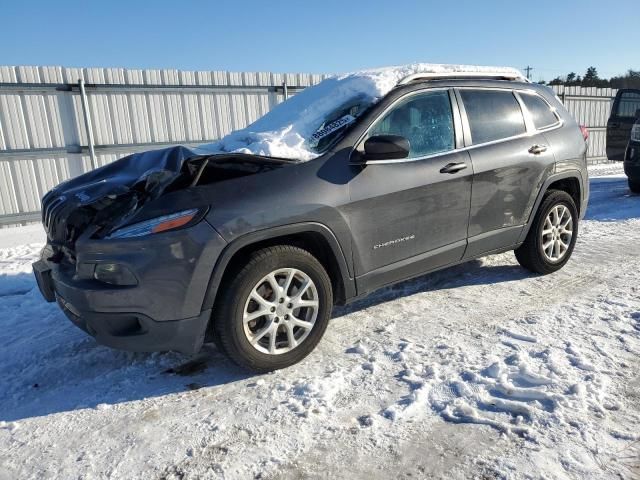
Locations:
(146, 292)
(162, 311)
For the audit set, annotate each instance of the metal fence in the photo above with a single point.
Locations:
(56, 123)
(591, 107)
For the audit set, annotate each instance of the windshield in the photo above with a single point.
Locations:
(336, 124)
(304, 126)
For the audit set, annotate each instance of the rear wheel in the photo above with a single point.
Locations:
(273, 312)
(552, 236)
(634, 186)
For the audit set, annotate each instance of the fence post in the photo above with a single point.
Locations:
(285, 90)
(87, 123)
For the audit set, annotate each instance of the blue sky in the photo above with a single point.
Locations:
(554, 37)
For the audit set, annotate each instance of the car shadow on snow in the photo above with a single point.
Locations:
(474, 272)
(610, 200)
(50, 366)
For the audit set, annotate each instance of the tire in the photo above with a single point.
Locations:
(531, 254)
(251, 282)
(634, 186)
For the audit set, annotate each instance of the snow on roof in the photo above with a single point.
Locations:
(287, 129)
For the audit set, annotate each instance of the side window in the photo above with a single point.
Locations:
(628, 103)
(543, 116)
(492, 115)
(426, 120)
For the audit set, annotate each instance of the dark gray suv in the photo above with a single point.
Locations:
(167, 249)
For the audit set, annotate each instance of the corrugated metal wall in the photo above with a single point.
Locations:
(43, 138)
(590, 106)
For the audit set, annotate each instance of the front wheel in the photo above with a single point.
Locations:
(273, 311)
(552, 235)
(634, 186)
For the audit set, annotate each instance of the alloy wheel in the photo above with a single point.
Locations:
(280, 311)
(557, 232)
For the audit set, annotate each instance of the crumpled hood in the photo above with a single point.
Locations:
(155, 167)
(108, 196)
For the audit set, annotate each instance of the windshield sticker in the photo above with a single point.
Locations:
(333, 126)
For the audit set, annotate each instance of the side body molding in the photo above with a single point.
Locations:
(234, 246)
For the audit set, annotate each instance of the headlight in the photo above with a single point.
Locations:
(155, 225)
(635, 132)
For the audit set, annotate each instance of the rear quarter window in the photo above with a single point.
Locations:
(540, 111)
(492, 114)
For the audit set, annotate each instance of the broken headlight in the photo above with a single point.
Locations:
(155, 225)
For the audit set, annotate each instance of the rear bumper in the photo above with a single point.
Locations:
(163, 311)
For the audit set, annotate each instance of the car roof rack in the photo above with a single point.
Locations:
(416, 77)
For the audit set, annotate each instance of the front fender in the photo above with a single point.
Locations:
(273, 233)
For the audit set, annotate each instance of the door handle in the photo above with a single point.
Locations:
(538, 149)
(614, 125)
(453, 167)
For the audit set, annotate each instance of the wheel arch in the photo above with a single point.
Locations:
(317, 238)
(568, 181)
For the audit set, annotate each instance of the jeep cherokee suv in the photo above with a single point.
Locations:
(164, 250)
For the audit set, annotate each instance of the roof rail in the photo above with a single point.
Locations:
(438, 76)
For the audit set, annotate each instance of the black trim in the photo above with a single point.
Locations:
(297, 228)
(417, 273)
(412, 267)
(138, 333)
(545, 186)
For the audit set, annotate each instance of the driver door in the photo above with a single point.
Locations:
(411, 215)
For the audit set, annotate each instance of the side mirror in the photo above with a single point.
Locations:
(385, 147)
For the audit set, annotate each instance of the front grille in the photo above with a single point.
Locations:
(55, 212)
(49, 203)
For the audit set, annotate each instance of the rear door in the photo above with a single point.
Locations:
(509, 158)
(623, 115)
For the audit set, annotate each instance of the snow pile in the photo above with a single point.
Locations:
(312, 395)
(535, 386)
(285, 131)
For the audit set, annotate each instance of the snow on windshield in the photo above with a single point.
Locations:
(305, 125)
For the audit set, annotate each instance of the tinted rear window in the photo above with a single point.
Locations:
(628, 103)
(492, 114)
(540, 111)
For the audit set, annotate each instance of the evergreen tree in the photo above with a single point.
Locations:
(631, 79)
(591, 79)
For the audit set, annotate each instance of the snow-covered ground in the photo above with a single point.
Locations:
(479, 371)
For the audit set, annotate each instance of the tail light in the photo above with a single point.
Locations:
(585, 132)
